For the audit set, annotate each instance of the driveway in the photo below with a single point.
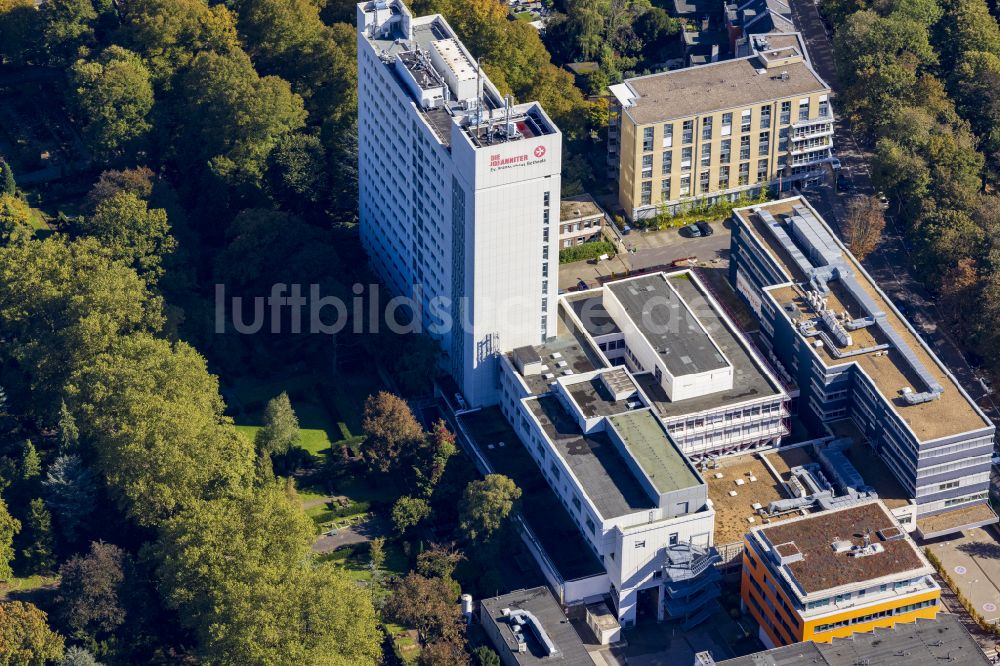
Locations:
(648, 250)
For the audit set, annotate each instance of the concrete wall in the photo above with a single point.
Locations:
(638, 554)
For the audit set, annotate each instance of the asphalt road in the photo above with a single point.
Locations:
(661, 248)
(891, 264)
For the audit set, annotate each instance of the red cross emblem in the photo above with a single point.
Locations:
(540, 151)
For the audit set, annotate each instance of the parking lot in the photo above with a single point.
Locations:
(646, 250)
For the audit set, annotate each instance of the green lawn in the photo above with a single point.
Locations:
(525, 16)
(315, 427)
(334, 513)
(27, 583)
(407, 647)
(329, 413)
(355, 560)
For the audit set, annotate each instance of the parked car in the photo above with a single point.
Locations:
(626, 230)
(692, 231)
(883, 200)
(704, 227)
(844, 183)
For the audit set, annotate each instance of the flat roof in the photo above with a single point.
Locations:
(959, 518)
(668, 324)
(750, 379)
(589, 308)
(569, 346)
(579, 207)
(595, 462)
(543, 606)
(594, 399)
(780, 40)
(733, 511)
(728, 84)
(821, 568)
(950, 414)
(654, 451)
(922, 643)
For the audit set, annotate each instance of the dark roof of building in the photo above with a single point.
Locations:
(594, 399)
(943, 640)
(821, 567)
(669, 325)
(589, 308)
(750, 379)
(526, 355)
(594, 460)
(543, 606)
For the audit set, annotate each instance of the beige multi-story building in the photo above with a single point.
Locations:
(721, 129)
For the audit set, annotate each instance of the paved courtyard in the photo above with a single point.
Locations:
(972, 560)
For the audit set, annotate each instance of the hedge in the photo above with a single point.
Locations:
(703, 210)
(590, 250)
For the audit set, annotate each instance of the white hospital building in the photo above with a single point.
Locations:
(458, 188)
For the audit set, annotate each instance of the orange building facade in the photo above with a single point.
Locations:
(833, 574)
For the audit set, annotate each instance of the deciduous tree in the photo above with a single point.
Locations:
(115, 95)
(15, 219)
(428, 605)
(239, 572)
(62, 303)
(432, 456)
(443, 652)
(135, 234)
(90, 591)
(233, 118)
(438, 561)
(486, 505)
(390, 430)
(25, 636)
(21, 26)
(137, 181)
(170, 33)
(155, 417)
(864, 225)
(408, 512)
(69, 26)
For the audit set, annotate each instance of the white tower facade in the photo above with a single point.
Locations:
(459, 193)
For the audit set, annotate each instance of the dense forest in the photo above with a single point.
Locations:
(920, 86)
(215, 143)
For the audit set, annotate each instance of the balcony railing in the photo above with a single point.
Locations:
(822, 118)
(808, 146)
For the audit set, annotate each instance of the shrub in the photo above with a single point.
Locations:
(702, 210)
(590, 250)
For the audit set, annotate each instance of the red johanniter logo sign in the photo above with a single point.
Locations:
(498, 161)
